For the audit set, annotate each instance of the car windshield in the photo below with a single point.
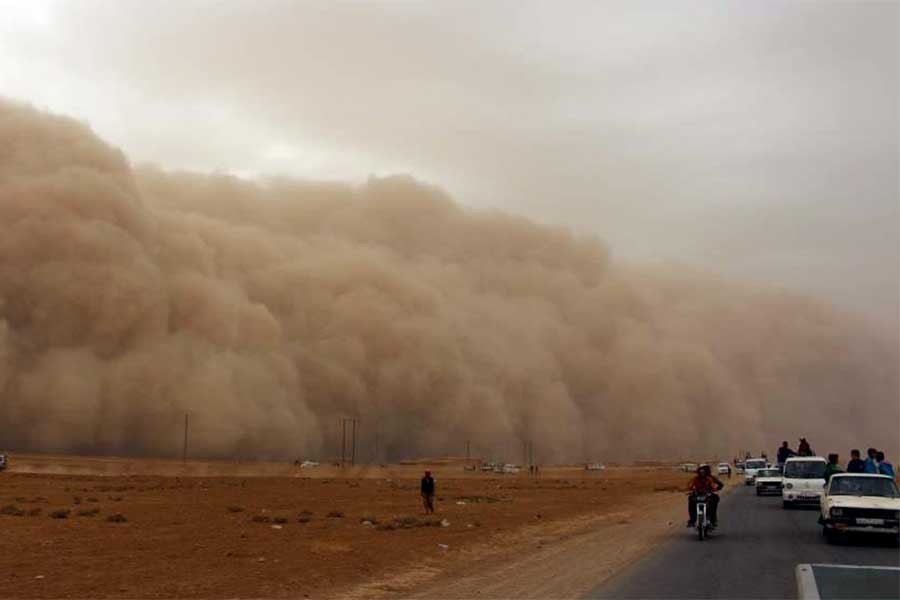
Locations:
(805, 469)
(768, 473)
(863, 486)
(756, 464)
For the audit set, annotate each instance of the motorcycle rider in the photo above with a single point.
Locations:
(704, 483)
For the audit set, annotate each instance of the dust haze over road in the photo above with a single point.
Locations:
(268, 309)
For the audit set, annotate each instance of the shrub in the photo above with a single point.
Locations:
(261, 519)
(303, 519)
(60, 513)
(336, 514)
(12, 510)
(88, 512)
(280, 520)
(235, 509)
(407, 522)
(117, 518)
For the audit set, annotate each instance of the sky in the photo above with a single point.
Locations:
(756, 140)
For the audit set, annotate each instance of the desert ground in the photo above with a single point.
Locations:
(132, 528)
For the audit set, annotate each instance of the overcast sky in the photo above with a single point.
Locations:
(756, 139)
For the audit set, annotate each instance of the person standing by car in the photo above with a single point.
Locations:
(804, 448)
(856, 465)
(428, 492)
(884, 467)
(832, 467)
(871, 464)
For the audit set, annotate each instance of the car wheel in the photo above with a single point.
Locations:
(758, 493)
(785, 504)
(830, 535)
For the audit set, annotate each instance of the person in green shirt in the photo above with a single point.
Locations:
(832, 467)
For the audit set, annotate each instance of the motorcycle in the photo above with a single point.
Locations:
(703, 523)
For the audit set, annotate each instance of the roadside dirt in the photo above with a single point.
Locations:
(231, 534)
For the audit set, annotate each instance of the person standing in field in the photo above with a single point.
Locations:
(428, 492)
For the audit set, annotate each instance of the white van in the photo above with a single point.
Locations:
(803, 480)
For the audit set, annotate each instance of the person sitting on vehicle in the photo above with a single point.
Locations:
(784, 453)
(856, 465)
(832, 467)
(871, 464)
(804, 449)
(884, 467)
(704, 483)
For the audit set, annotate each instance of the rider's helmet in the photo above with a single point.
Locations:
(702, 468)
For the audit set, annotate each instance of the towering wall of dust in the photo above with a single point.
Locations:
(268, 311)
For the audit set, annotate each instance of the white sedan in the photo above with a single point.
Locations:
(768, 481)
(860, 503)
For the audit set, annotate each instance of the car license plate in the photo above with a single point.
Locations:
(865, 521)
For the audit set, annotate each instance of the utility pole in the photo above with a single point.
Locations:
(184, 448)
(376, 459)
(353, 445)
(351, 451)
(343, 440)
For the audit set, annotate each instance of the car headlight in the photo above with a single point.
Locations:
(789, 486)
(837, 512)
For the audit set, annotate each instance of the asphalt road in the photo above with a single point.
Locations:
(752, 554)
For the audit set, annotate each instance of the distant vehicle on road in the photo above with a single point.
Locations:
(3, 462)
(768, 481)
(510, 469)
(739, 467)
(689, 467)
(487, 467)
(803, 480)
(308, 464)
(751, 466)
(594, 467)
(860, 503)
(723, 468)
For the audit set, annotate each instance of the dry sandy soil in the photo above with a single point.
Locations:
(224, 530)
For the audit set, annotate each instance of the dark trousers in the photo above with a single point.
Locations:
(428, 502)
(712, 507)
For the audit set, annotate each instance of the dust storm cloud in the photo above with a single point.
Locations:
(269, 310)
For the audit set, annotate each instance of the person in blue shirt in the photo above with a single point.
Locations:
(884, 467)
(872, 461)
